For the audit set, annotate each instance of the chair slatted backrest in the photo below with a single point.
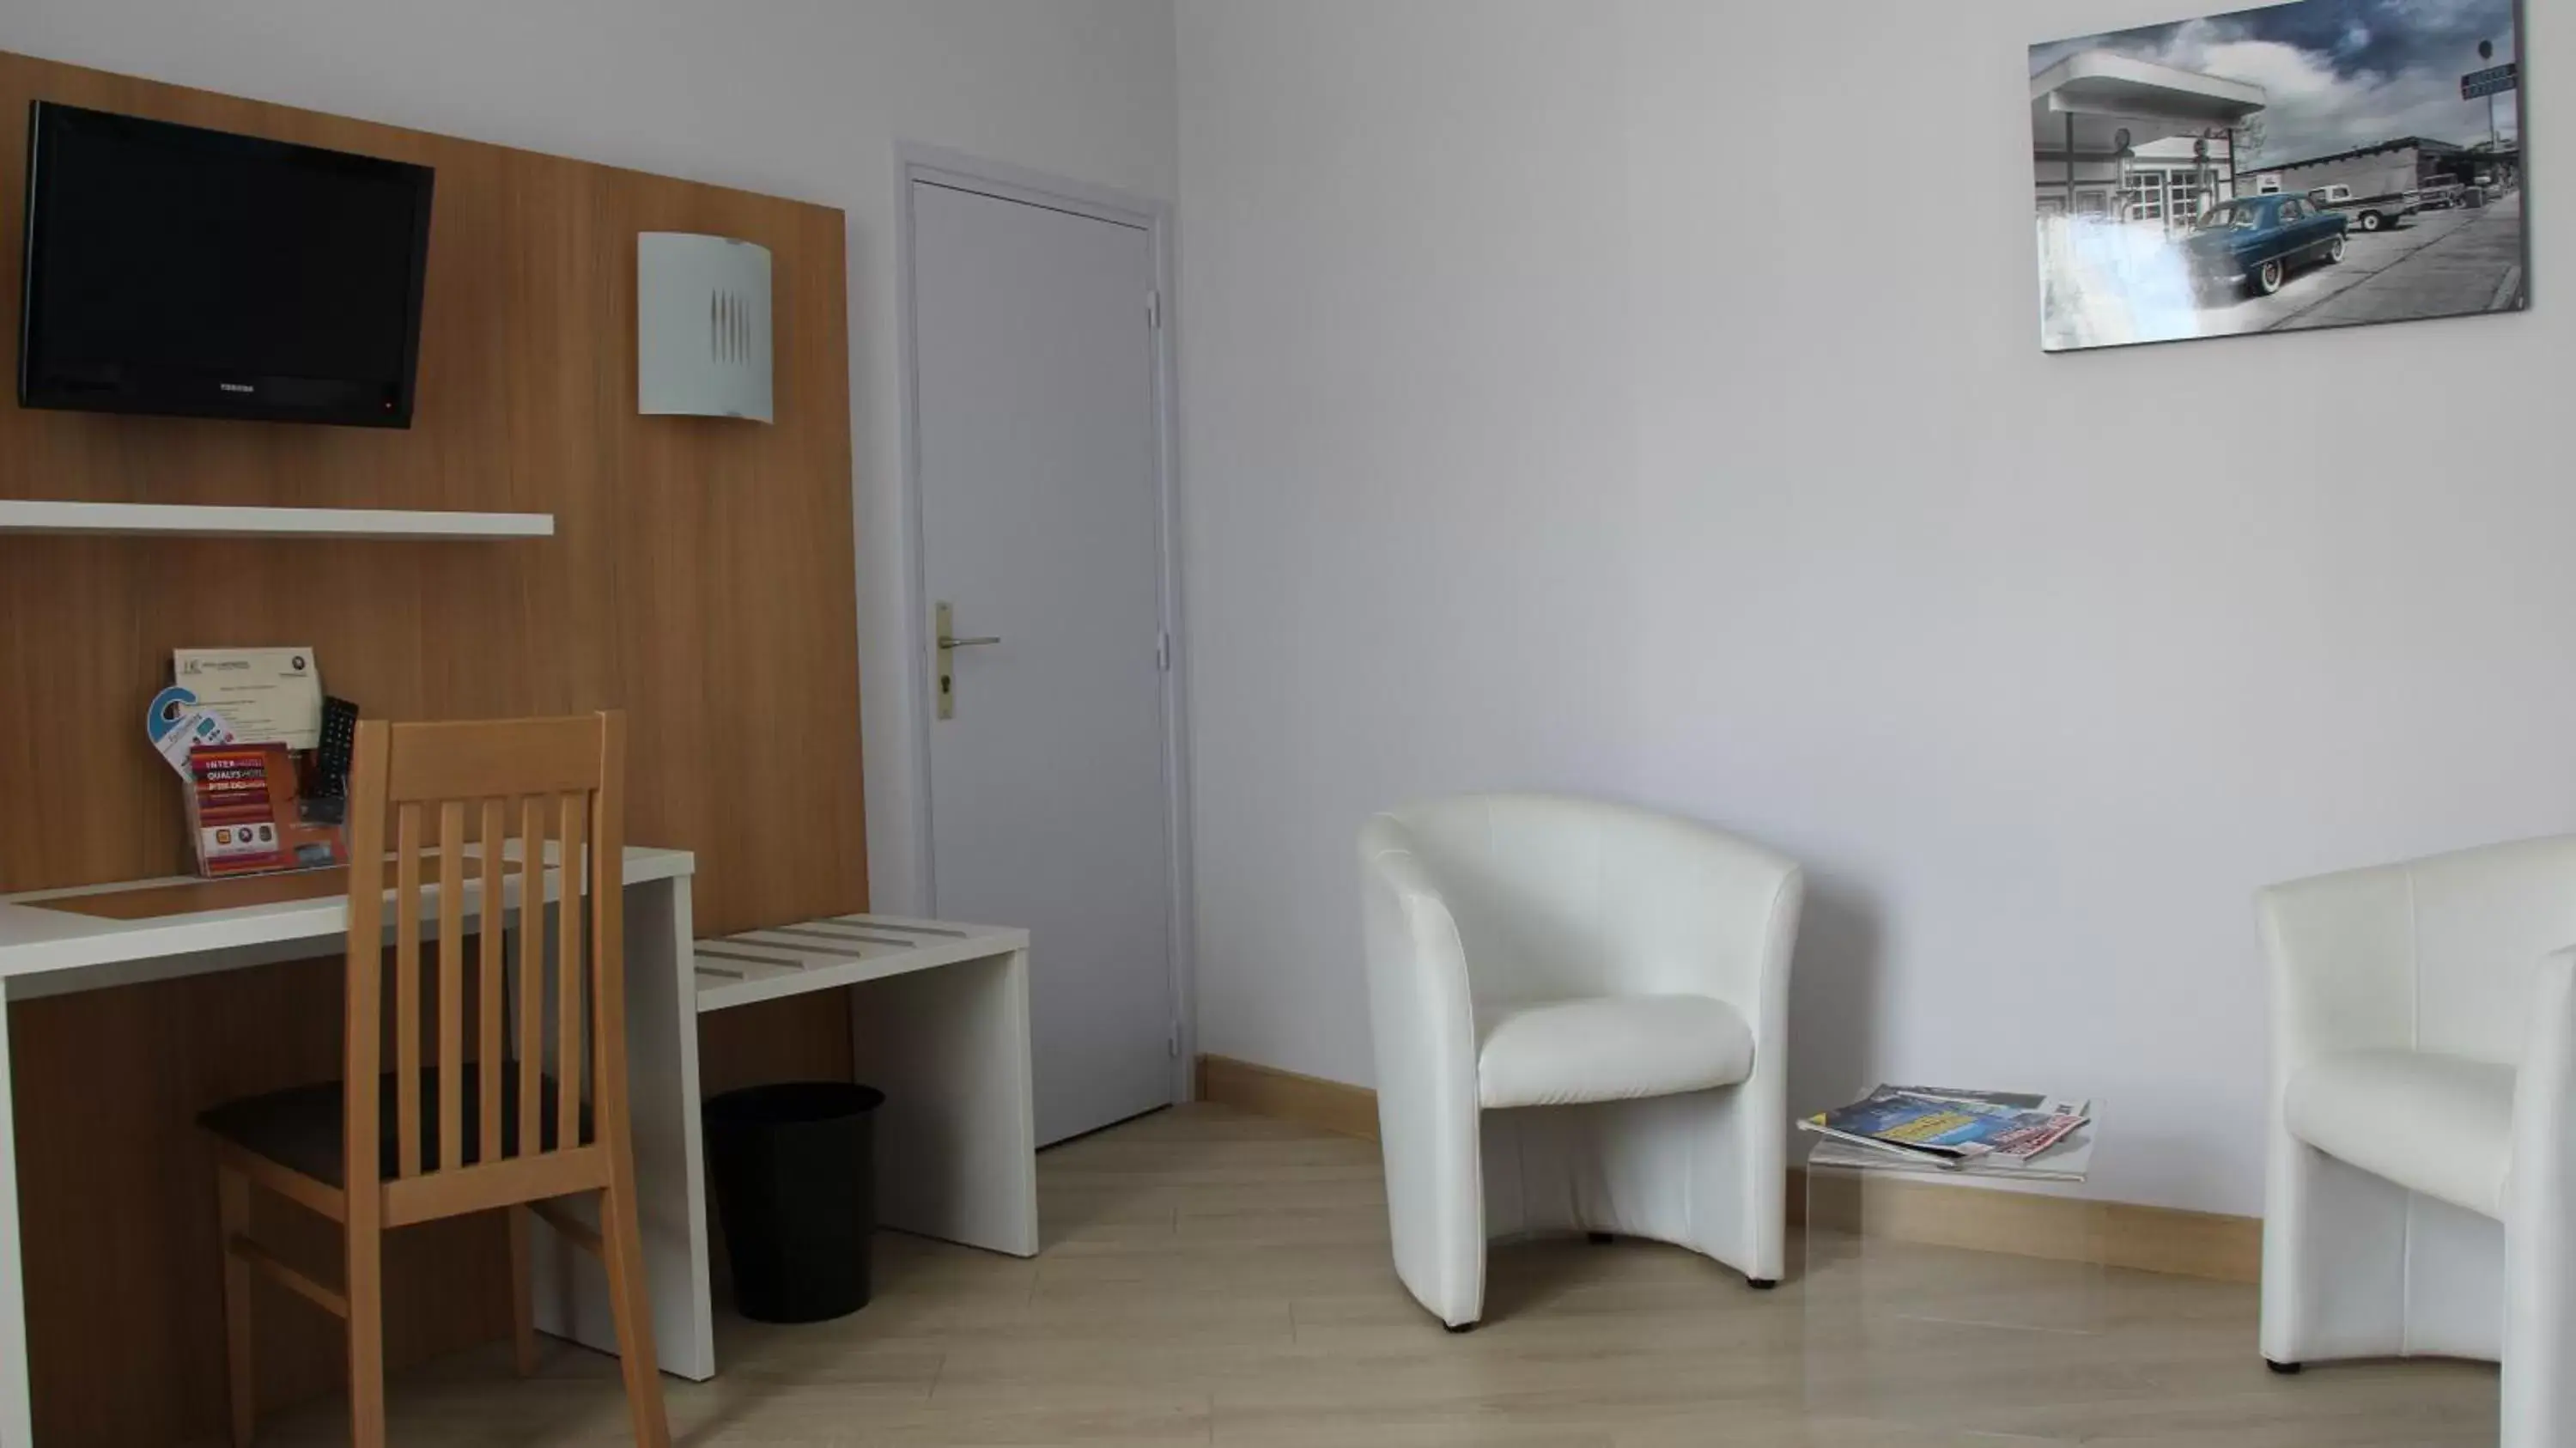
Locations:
(448, 796)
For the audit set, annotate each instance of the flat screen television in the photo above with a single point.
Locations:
(184, 271)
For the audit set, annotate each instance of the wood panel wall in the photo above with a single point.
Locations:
(701, 578)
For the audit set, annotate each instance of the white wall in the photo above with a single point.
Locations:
(799, 98)
(1574, 398)
(1610, 396)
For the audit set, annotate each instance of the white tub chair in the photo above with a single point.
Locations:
(1581, 1013)
(2419, 1199)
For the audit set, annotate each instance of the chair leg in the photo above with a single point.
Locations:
(241, 1381)
(523, 1306)
(366, 1289)
(622, 1253)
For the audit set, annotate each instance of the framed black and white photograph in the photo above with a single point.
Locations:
(2329, 163)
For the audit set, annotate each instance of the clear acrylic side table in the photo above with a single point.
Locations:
(1926, 1304)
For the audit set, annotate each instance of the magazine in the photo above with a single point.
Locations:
(1951, 1129)
(2017, 1100)
(2069, 1161)
(2063, 1116)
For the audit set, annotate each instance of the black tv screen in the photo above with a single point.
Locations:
(176, 270)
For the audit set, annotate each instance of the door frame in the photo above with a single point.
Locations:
(916, 162)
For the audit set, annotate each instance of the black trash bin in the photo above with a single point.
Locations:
(795, 1179)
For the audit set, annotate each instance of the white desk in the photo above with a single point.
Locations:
(939, 1021)
(54, 952)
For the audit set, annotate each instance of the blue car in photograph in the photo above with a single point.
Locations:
(2255, 242)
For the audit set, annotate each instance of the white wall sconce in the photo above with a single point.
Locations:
(701, 326)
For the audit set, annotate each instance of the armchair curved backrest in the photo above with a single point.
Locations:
(1554, 897)
(2436, 955)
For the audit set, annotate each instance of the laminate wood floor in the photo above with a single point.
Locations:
(1213, 1278)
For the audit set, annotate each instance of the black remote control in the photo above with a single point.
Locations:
(327, 801)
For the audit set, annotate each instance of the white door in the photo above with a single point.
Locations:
(1036, 390)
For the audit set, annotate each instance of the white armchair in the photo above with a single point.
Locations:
(1581, 1019)
(2420, 1200)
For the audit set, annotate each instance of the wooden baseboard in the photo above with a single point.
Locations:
(1307, 1100)
(2066, 1229)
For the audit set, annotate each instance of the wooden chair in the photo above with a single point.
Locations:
(460, 1123)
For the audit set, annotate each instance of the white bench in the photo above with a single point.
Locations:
(939, 1021)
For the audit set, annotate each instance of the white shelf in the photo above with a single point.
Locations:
(172, 520)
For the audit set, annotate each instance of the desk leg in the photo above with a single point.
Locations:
(670, 1180)
(17, 1429)
(957, 1138)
